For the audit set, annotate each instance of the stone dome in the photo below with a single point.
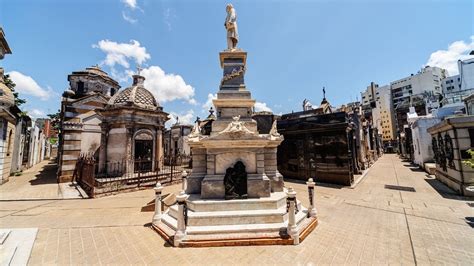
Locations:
(136, 96)
(6, 95)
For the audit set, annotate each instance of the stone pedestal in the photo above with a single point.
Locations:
(221, 210)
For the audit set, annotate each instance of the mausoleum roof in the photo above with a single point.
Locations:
(136, 95)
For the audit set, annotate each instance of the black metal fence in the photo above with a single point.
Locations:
(125, 175)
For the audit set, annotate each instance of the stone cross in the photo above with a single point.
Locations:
(139, 69)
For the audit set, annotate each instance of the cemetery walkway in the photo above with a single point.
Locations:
(396, 215)
(38, 183)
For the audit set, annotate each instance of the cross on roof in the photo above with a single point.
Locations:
(139, 69)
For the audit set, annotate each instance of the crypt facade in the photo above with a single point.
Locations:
(132, 129)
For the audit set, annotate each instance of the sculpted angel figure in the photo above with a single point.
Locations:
(231, 27)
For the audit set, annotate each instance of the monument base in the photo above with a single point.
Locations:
(239, 222)
(212, 186)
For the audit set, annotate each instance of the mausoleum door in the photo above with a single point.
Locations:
(143, 155)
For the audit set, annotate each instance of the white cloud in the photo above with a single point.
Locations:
(208, 104)
(447, 59)
(167, 87)
(128, 18)
(120, 53)
(168, 15)
(132, 4)
(259, 107)
(36, 113)
(27, 85)
(187, 118)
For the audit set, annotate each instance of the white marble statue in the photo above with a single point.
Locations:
(231, 27)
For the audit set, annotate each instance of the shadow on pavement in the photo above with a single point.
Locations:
(47, 175)
(318, 184)
(443, 190)
(413, 167)
(470, 221)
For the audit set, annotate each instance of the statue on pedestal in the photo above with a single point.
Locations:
(231, 27)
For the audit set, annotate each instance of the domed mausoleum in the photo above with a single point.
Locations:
(132, 129)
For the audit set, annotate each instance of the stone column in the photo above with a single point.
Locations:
(128, 149)
(181, 229)
(157, 216)
(292, 229)
(312, 212)
(211, 167)
(260, 162)
(159, 148)
(103, 148)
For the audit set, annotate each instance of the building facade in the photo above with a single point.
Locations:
(89, 90)
(175, 140)
(457, 88)
(131, 131)
(7, 129)
(451, 138)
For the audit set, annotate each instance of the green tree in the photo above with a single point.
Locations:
(55, 120)
(11, 85)
(470, 162)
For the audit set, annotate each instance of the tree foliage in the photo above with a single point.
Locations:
(55, 120)
(11, 85)
(470, 162)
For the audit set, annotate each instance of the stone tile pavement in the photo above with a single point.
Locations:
(370, 224)
(38, 182)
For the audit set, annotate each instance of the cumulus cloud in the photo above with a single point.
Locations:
(167, 87)
(208, 104)
(447, 59)
(260, 107)
(120, 53)
(132, 4)
(36, 113)
(186, 118)
(128, 18)
(26, 85)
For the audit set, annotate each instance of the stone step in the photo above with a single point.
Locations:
(171, 222)
(277, 200)
(240, 217)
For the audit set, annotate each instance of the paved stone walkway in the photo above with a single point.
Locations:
(370, 224)
(38, 182)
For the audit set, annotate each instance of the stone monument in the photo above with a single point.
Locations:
(234, 194)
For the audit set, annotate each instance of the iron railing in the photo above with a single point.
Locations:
(125, 175)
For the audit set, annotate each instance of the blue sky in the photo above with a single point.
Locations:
(294, 47)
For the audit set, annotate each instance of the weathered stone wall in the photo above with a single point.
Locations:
(7, 137)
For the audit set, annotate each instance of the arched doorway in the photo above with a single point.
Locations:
(143, 151)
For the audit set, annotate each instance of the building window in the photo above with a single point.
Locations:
(80, 87)
(9, 142)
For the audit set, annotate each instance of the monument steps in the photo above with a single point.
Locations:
(275, 201)
(171, 224)
(241, 216)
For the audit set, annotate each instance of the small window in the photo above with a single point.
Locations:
(9, 142)
(80, 87)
